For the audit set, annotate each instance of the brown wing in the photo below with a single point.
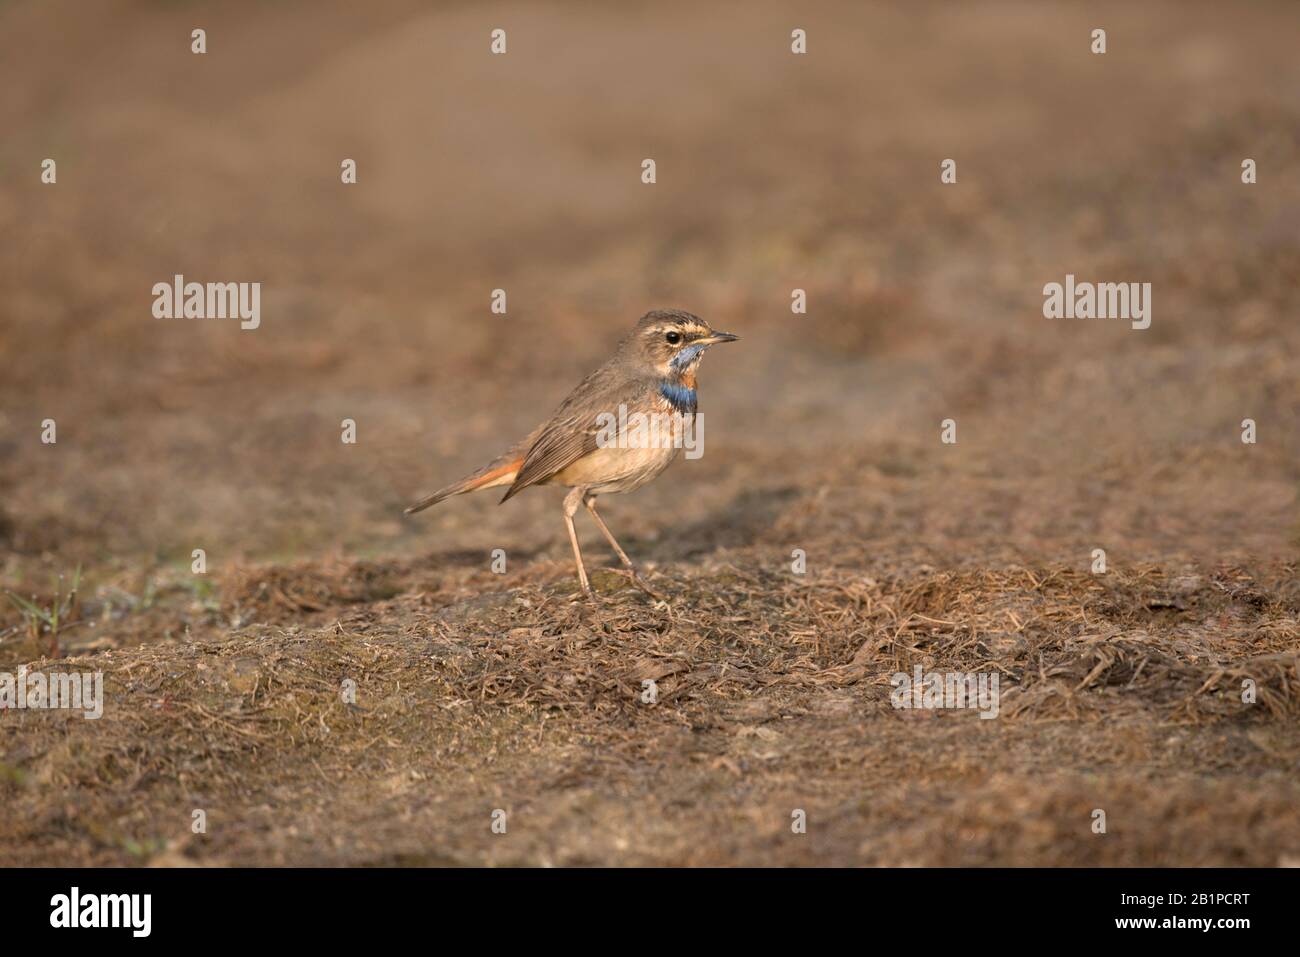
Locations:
(572, 432)
(558, 447)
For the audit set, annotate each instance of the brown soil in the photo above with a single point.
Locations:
(477, 691)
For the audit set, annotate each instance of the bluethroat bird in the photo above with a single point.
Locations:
(596, 442)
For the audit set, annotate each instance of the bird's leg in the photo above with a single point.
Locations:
(590, 502)
(570, 509)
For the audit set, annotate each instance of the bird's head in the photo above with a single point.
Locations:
(672, 342)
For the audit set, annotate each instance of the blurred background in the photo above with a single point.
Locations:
(522, 172)
(774, 172)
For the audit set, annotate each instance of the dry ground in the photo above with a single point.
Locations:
(478, 691)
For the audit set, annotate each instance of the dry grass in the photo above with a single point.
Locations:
(462, 689)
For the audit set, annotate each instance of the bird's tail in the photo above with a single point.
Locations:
(500, 472)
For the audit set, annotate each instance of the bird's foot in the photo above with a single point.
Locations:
(634, 574)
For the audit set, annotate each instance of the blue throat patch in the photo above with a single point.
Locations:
(679, 397)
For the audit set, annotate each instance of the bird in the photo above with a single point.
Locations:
(597, 441)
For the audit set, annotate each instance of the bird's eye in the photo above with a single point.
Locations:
(673, 338)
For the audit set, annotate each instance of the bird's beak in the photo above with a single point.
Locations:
(717, 337)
